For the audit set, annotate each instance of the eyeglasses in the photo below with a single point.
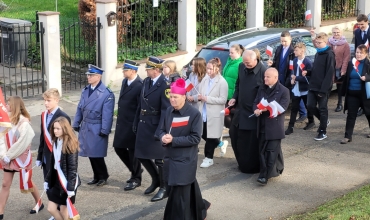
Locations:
(336, 32)
(318, 42)
(90, 75)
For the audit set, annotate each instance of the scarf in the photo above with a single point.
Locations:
(319, 50)
(338, 42)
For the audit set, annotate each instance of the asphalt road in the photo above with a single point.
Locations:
(315, 172)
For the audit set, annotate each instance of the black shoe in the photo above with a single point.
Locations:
(263, 181)
(101, 182)
(301, 118)
(1, 216)
(131, 185)
(161, 194)
(339, 108)
(289, 130)
(359, 112)
(321, 136)
(92, 182)
(309, 125)
(151, 188)
(34, 211)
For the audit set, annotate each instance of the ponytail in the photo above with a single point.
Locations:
(216, 62)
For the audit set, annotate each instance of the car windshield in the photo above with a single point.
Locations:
(208, 54)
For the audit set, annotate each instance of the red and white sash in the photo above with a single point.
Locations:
(47, 137)
(72, 211)
(25, 175)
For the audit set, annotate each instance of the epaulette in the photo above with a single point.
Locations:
(109, 90)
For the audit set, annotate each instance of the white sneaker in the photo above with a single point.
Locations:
(51, 218)
(207, 162)
(223, 148)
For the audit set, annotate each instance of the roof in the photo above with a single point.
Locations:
(252, 36)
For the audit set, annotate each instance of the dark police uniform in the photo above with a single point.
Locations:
(154, 100)
(93, 120)
(124, 136)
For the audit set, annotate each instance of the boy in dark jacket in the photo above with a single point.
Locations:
(320, 83)
(299, 86)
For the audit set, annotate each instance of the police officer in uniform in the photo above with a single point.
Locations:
(93, 121)
(154, 100)
(124, 137)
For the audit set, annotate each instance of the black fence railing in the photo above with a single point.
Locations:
(219, 17)
(80, 43)
(336, 9)
(21, 58)
(284, 13)
(144, 30)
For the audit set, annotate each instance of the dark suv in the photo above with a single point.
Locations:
(253, 38)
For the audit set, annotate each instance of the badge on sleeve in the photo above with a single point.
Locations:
(167, 93)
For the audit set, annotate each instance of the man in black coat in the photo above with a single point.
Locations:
(124, 137)
(243, 130)
(180, 134)
(271, 129)
(154, 101)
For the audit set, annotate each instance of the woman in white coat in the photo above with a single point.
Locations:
(213, 95)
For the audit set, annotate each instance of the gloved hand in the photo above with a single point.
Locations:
(6, 159)
(134, 129)
(102, 134)
(46, 186)
(76, 129)
(70, 193)
(38, 163)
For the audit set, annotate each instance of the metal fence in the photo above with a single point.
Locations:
(337, 9)
(145, 30)
(80, 43)
(219, 17)
(284, 13)
(21, 58)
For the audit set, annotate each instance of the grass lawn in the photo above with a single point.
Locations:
(352, 206)
(25, 9)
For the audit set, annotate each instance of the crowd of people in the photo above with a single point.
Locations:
(161, 120)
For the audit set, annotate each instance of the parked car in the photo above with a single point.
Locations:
(254, 38)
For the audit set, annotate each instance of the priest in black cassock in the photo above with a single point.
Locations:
(180, 134)
(271, 128)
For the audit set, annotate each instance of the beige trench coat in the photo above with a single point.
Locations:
(216, 100)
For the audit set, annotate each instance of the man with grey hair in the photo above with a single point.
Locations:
(243, 130)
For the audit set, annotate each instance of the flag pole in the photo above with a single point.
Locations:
(169, 132)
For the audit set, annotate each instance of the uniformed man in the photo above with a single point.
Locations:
(124, 137)
(93, 121)
(180, 134)
(154, 100)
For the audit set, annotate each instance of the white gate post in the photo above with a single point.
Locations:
(255, 13)
(187, 25)
(363, 7)
(108, 39)
(315, 7)
(52, 60)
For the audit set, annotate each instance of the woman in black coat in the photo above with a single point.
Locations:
(63, 165)
(355, 92)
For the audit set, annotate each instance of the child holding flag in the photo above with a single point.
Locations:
(199, 71)
(62, 179)
(15, 153)
(300, 86)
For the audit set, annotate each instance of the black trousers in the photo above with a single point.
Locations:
(353, 101)
(339, 90)
(211, 143)
(152, 168)
(296, 100)
(132, 163)
(271, 157)
(318, 106)
(99, 168)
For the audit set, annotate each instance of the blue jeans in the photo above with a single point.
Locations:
(302, 109)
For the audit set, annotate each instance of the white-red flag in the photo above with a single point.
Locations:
(269, 51)
(263, 104)
(308, 15)
(276, 109)
(180, 121)
(72, 211)
(302, 66)
(291, 64)
(39, 203)
(188, 85)
(5, 124)
(355, 63)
